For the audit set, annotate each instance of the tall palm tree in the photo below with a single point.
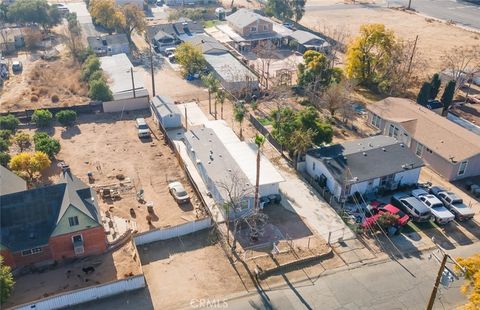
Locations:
(300, 142)
(212, 85)
(259, 141)
(239, 114)
(219, 98)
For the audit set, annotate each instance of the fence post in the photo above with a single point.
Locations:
(329, 236)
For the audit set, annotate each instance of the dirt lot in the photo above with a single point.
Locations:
(111, 266)
(108, 146)
(39, 81)
(434, 37)
(189, 264)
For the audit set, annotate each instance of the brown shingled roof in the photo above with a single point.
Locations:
(444, 137)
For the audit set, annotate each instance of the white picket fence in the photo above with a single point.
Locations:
(86, 294)
(172, 232)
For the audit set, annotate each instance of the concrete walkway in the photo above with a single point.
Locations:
(300, 197)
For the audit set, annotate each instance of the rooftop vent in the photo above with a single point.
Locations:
(199, 161)
(364, 154)
(402, 145)
(384, 149)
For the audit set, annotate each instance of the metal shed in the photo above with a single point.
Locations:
(166, 113)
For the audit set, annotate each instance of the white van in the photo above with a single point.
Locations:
(142, 127)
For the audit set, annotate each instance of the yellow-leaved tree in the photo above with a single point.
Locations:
(106, 13)
(472, 280)
(30, 163)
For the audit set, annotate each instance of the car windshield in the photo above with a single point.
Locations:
(437, 206)
(143, 126)
(182, 193)
(457, 201)
(400, 214)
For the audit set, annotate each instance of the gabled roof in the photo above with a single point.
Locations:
(439, 134)
(244, 17)
(10, 182)
(99, 42)
(165, 106)
(366, 159)
(29, 217)
(179, 30)
(308, 38)
(207, 44)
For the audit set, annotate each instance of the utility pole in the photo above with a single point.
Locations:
(437, 282)
(413, 53)
(133, 82)
(186, 119)
(409, 4)
(151, 66)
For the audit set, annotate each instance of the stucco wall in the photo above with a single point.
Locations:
(259, 24)
(84, 222)
(320, 169)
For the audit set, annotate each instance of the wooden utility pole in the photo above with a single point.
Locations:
(133, 82)
(186, 119)
(413, 53)
(437, 282)
(409, 4)
(151, 67)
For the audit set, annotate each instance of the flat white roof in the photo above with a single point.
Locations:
(117, 67)
(195, 115)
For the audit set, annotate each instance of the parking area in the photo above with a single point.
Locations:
(108, 147)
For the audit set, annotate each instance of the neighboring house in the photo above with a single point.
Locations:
(10, 182)
(118, 70)
(109, 44)
(165, 113)
(364, 166)
(207, 44)
(246, 28)
(137, 3)
(450, 150)
(308, 41)
(49, 223)
(169, 35)
(219, 154)
(188, 2)
(11, 39)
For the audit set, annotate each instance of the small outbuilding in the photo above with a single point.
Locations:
(166, 113)
(308, 41)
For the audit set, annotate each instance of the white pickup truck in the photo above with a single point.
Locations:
(440, 213)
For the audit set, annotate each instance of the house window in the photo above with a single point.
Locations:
(253, 29)
(73, 221)
(419, 149)
(462, 168)
(393, 131)
(429, 150)
(265, 28)
(376, 120)
(31, 251)
(313, 166)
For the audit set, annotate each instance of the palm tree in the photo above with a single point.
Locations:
(239, 114)
(212, 84)
(300, 142)
(259, 141)
(219, 98)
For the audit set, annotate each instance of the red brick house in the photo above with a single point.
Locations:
(50, 223)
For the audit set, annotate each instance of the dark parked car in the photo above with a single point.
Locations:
(412, 206)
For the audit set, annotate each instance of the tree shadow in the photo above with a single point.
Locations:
(472, 227)
(70, 132)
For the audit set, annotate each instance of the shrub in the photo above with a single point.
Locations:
(34, 98)
(84, 54)
(4, 145)
(5, 134)
(9, 122)
(97, 75)
(66, 117)
(4, 159)
(42, 118)
(55, 99)
(99, 90)
(39, 135)
(22, 140)
(90, 65)
(49, 146)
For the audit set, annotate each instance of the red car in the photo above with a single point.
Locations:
(376, 209)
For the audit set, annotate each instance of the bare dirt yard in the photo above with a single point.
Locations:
(108, 146)
(434, 38)
(40, 82)
(193, 264)
(41, 283)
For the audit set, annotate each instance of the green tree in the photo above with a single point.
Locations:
(309, 118)
(4, 159)
(259, 141)
(424, 94)
(368, 55)
(5, 134)
(34, 11)
(99, 90)
(220, 97)
(239, 115)
(47, 145)
(283, 125)
(40, 135)
(190, 59)
(435, 83)
(90, 66)
(22, 140)
(42, 118)
(66, 117)
(212, 85)
(29, 163)
(6, 281)
(97, 75)
(300, 141)
(298, 8)
(9, 122)
(281, 9)
(316, 73)
(131, 19)
(4, 144)
(447, 96)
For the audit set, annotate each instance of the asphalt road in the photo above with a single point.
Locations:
(461, 12)
(406, 284)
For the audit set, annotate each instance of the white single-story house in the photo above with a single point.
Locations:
(109, 44)
(363, 166)
(165, 113)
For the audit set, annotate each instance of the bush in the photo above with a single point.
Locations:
(47, 145)
(4, 159)
(97, 75)
(9, 122)
(91, 65)
(66, 117)
(42, 118)
(22, 140)
(34, 98)
(99, 90)
(39, 135)
(5, 134)
(84, 54)
(55, 99)
(4, 145)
